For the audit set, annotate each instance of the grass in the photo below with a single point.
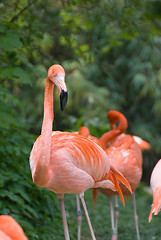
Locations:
(100, 217)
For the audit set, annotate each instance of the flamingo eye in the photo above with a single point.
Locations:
(54, 74)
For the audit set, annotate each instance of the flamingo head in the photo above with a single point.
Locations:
(113, 117)
(84, 131)
(56, 74)
(117, 117)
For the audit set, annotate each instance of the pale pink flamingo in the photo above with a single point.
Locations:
(65, 162)
(10, 229)
(155, 184)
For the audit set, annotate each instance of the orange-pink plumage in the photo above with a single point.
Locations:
(124, 153)
(10, 229)
(155, 183)
(65, 162)
(76, 164)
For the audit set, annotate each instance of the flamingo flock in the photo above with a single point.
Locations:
(73, 162)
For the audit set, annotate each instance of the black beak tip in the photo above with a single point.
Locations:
(63, 99)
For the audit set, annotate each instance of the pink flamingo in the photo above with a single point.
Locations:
(123, 153)
(102, 142)
(65, 162)
(155, 183)
(10, 229)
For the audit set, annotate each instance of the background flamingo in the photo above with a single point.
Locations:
(107, 137)
(84, 131)
(125, 154)
(10, 229)
(64, 162)
(155, 183)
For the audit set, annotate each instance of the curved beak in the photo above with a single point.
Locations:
(63, 99)
(62, 89)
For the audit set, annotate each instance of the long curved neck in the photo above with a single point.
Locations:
(107, 137)
(41, 175)
(48, 110)
(114, 117)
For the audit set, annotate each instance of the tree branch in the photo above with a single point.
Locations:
(18, 14)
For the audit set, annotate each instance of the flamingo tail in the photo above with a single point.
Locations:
(127, 198)
(121, 178)
(118, 177)
(111, 181)
(142, 144)
(114, 179)
(156, 206)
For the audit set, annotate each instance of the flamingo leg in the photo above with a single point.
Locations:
(81, 196)
(116, 214)
(135, 217)
(112, 220)
(79, 217)
(62, 209)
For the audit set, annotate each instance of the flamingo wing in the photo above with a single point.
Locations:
(76, 163)
(128, 163)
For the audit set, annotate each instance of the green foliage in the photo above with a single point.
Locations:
(111, 53)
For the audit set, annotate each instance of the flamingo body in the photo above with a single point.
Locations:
(128, 162)
(10, 229)
(155, 183)
(125, 155)
(76, 164)
(134, 143)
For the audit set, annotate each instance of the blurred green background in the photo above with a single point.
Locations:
(111, 52)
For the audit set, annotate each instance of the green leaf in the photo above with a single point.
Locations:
(6, 73)
(8, 97)
(22, 75)
(10, 41)
(139, 80)
(83, 48)
(2, 27)
(31, 210)
(12, 197)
